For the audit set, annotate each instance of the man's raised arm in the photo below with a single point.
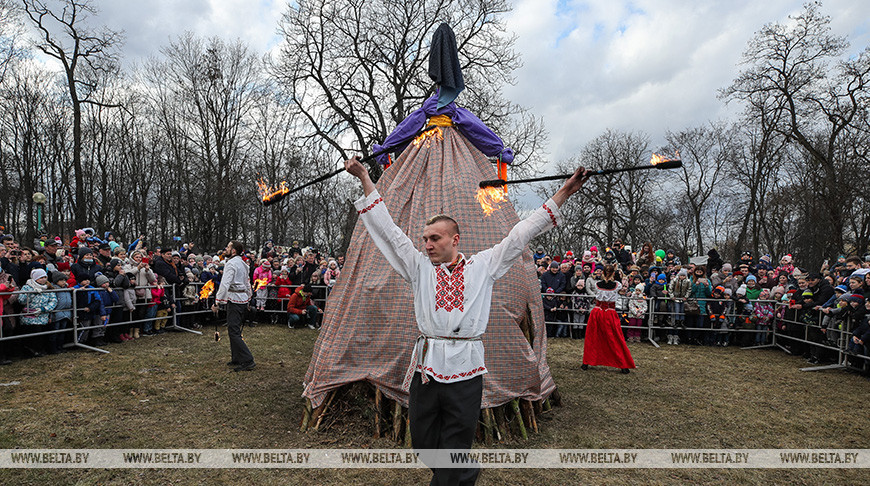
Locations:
(389, 238)
(504, 254)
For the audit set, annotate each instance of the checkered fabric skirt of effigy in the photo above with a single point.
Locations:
(665, 164)
(274, 198)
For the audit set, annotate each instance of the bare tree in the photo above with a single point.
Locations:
(80, 51)
(357, 68)
(706, 151)
(792, 65)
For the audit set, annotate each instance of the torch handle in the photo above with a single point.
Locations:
(670, 164)
(384, 150)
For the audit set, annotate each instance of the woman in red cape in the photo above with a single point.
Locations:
(605, 343)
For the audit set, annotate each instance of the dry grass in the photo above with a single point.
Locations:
(174, 391)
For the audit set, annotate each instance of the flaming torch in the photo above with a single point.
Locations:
(493, 192)
(206, 290)
(271, 195)
(260, 283)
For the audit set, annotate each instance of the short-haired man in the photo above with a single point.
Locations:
(235, 291)
(452, 299)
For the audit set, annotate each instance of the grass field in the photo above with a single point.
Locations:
(175, 391)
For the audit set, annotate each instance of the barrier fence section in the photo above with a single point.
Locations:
(78, 328)
(812, 331)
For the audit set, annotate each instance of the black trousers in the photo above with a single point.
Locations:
(444, 416)
(235, 317)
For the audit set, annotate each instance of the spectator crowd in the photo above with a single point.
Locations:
(711, 302)
(122, 292)
(128, 291)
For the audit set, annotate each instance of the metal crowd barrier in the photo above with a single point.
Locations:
(76, 329)
(835, 339)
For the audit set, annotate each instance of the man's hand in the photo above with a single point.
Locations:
(355, 168)
(571, 186)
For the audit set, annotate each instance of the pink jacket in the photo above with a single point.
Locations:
(263, 272)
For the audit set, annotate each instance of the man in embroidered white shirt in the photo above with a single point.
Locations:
(452, 300)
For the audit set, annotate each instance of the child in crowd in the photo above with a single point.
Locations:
(717, 308)
(38, 301)
(61, 318)
(90, 314)
(108, 297)
(636, 310)
(658, 293)
(580, 305)
(161, 299)
(764, 317)
(263, 274)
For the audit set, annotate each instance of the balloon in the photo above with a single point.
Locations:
(661, 254)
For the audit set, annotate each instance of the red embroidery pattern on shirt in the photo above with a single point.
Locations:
(552, 216)
(456, 376)
(450, 288)
(370, 206)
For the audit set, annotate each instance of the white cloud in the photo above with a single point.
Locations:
(648, 65)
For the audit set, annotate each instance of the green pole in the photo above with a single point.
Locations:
(38, 219)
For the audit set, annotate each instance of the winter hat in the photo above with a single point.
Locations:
(587, 254)
(787, 258)
(101, 279)
(683, 272)
(37, 273)
(728, 292)
(857, 298)
(114, 263)
(593, 248)
(554, 264)
(765, 258)
(569, 254)
(727, 267)
(540, 250)
(63, 266)
(639, 288)
(83, 252)
(550, 290)
(841, 288)
(778, 288)
(80, 233)
(57, 277)
(751, 278)
(661, 278)
(741, 290)
(808, 294)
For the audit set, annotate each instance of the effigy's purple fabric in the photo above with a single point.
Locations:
(468, 124)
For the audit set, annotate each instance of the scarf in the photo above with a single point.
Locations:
(36, 285)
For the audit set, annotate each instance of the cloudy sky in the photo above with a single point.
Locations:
(647, 65)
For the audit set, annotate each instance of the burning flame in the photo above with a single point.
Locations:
(658, 158)
(268, 193)
(206, 290)
(427, 137)
(260, 283)
(491, 198)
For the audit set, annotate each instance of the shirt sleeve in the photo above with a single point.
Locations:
(395, 245)
(502, 256)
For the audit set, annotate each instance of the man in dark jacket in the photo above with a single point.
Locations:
(622, 255)
(553, 279)
(86, 268)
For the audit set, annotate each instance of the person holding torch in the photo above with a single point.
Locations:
(452, 300)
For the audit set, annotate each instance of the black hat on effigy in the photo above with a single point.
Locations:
(444, 67)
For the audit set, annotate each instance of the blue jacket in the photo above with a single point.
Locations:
(108, 299)
(64, 306)
(88, 299)
(556, 281)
